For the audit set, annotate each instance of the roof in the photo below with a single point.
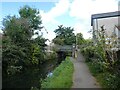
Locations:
(104, 15)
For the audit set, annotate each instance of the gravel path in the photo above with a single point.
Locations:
(82, 77)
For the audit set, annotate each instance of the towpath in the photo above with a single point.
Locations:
(82, 77)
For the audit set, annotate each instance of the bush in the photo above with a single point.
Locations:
(102, 60)
(50, 56)
(95, 67)
(89, 53)
(109, 80)
(105, 78)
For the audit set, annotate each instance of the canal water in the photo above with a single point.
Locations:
(32, 77)
(29, 78)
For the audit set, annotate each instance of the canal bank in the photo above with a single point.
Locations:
(61, 77)
(29, 78)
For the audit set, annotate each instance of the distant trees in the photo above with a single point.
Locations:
(80, 40)
(19, 48)
(64, 36)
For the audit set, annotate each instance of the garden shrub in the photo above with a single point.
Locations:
(90, 53)
(109, 80)
(95, 67)
(103, 62)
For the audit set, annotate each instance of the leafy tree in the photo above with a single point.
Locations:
(13, 39)
(20, 49)
(64, 36)
(38, 50)
(80, 39)
(33, 17)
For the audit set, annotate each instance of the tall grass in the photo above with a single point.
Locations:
(62, 76)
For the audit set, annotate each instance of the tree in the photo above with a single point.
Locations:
(13, 39)
(80, 39)
(64, 36)
(19, 47)
(33, 17)
(38, 52)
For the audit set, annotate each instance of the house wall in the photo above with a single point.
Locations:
(109, 24)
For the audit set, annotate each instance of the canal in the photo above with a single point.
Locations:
(29, 78)
(32, 76)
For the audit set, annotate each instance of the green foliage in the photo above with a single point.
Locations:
(95, 67)
(62, 76)
(109, 80)
(106, 45)
(13, 69)
(33, 17)
(106, 79)
(102, 60)
(20, 49)
(101, 51)
(64, 36)
(80, 40)
(35, 54)
(51, 56)
(88, 52)
(12, 55)
(38, 51)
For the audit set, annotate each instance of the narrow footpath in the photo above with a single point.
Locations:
(82, 77)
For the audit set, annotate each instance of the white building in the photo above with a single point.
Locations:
(111, 22)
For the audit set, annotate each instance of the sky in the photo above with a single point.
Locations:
(70, 13)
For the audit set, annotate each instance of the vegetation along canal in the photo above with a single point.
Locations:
(32, 76)
(25, 60)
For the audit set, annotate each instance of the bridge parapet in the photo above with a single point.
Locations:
(63, 47)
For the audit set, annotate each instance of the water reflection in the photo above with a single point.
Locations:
(49, 74)
(31, 77)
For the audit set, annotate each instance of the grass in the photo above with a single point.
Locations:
(106, 79)
(62, 76)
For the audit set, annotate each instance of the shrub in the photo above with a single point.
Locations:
(90, 52)
(103, 60)
(109, 80)
(105, 78)
(95, 67)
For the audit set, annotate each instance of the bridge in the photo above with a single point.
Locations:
(63, 48)
(62, 51)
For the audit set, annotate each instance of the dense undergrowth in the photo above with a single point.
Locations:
(106, 76)
(62, 76)
(102, 60)
(106, 79)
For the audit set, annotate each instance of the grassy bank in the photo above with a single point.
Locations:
(106, 79)
(62, 76)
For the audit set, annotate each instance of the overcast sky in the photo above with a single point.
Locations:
(74, 13)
